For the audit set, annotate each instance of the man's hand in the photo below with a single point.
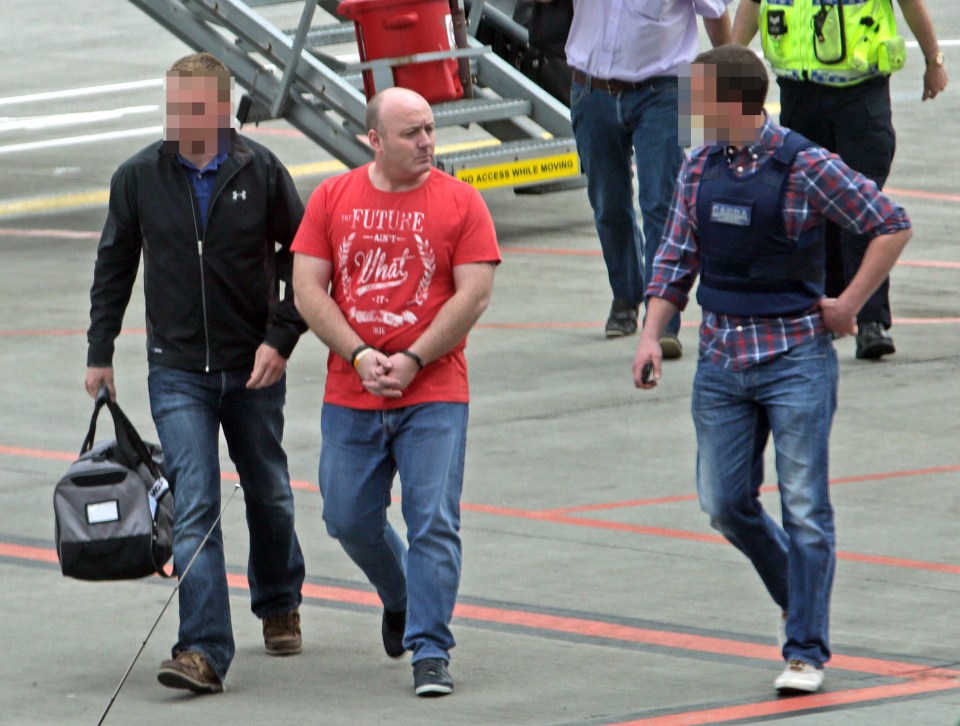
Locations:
(268, 367)
(387, 376)
(934, 81)
(648, 351)
(837, 318)
(97, 376)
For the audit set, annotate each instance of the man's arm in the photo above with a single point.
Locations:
(115, 271)
(718, 29)
(311, 283)
(838, 193)
(285, 213)
(474, 285)
(285, 325)
(918, 19)
(840, 313)
(745, 22)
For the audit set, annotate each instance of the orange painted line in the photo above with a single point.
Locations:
(916, 194)
(622, 505)
(22, 552)
(769, 488)
(797, 704)
(593, 523)
(601, 629)
(932, 678)
(37, 453)
(556, 517)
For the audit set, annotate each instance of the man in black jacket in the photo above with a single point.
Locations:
(213, 214)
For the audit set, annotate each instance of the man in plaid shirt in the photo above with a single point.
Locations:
(747, 216)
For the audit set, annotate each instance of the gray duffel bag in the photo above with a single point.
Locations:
(113, 507)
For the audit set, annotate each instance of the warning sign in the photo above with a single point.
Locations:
(526, 171)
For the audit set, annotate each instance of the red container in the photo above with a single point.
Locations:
(396, 28)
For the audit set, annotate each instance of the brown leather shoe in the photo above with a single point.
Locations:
(191, 671)
(281, 633)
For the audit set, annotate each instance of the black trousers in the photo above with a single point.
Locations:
(856, 123)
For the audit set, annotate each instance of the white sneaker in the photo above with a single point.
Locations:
(799, 676)
(782, 630)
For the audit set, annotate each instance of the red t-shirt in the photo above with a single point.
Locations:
(393, 255)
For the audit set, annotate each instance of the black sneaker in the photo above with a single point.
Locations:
(873, 341)
(431, 678)
(623, 319)
(391, 628)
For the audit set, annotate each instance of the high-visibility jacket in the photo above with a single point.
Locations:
(832, 42)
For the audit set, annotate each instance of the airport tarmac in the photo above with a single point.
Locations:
(594, 590)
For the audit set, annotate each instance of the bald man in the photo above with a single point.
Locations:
(393, 265)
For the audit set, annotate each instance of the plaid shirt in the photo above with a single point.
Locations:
(820, 187)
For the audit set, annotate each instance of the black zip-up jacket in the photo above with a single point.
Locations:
(212, 295)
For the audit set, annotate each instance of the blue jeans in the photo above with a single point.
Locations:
(793, 397)
(609, 129)
(361, 453)
(189, 409)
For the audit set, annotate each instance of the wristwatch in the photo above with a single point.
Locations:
(937, 59)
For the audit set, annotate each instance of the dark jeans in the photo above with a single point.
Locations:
(189, 409)
(612, 130)
(856, 123)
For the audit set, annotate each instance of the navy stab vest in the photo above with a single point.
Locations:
(748, 265)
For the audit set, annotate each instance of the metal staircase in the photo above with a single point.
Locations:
(308, 76)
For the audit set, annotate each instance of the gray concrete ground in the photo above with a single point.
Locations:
(594, 591)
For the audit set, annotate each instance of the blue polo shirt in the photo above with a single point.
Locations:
(203, 181)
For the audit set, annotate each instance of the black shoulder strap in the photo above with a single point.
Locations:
(130, 447)
(792, 145)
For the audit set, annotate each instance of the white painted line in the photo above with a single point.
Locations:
(34, 123)
(942, 43)
(75, 92)
(85, 139)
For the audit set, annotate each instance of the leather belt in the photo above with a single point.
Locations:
(613, 86)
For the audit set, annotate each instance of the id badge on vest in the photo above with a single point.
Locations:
(736, 212)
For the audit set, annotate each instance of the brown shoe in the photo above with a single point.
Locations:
(281, 633)
(189, 670)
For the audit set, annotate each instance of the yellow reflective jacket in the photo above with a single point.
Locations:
(833, 42)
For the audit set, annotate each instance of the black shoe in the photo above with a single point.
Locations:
(431, 678)
(873, 342)
(392, 627)
(670, 346)
(623, 319)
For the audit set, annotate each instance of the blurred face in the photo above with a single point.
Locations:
(403, 143)
(723, 121)
(197, 115)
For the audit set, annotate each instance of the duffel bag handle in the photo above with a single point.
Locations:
(103, 395)
(129, 443)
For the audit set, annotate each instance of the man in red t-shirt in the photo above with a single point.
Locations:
(393, 265)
